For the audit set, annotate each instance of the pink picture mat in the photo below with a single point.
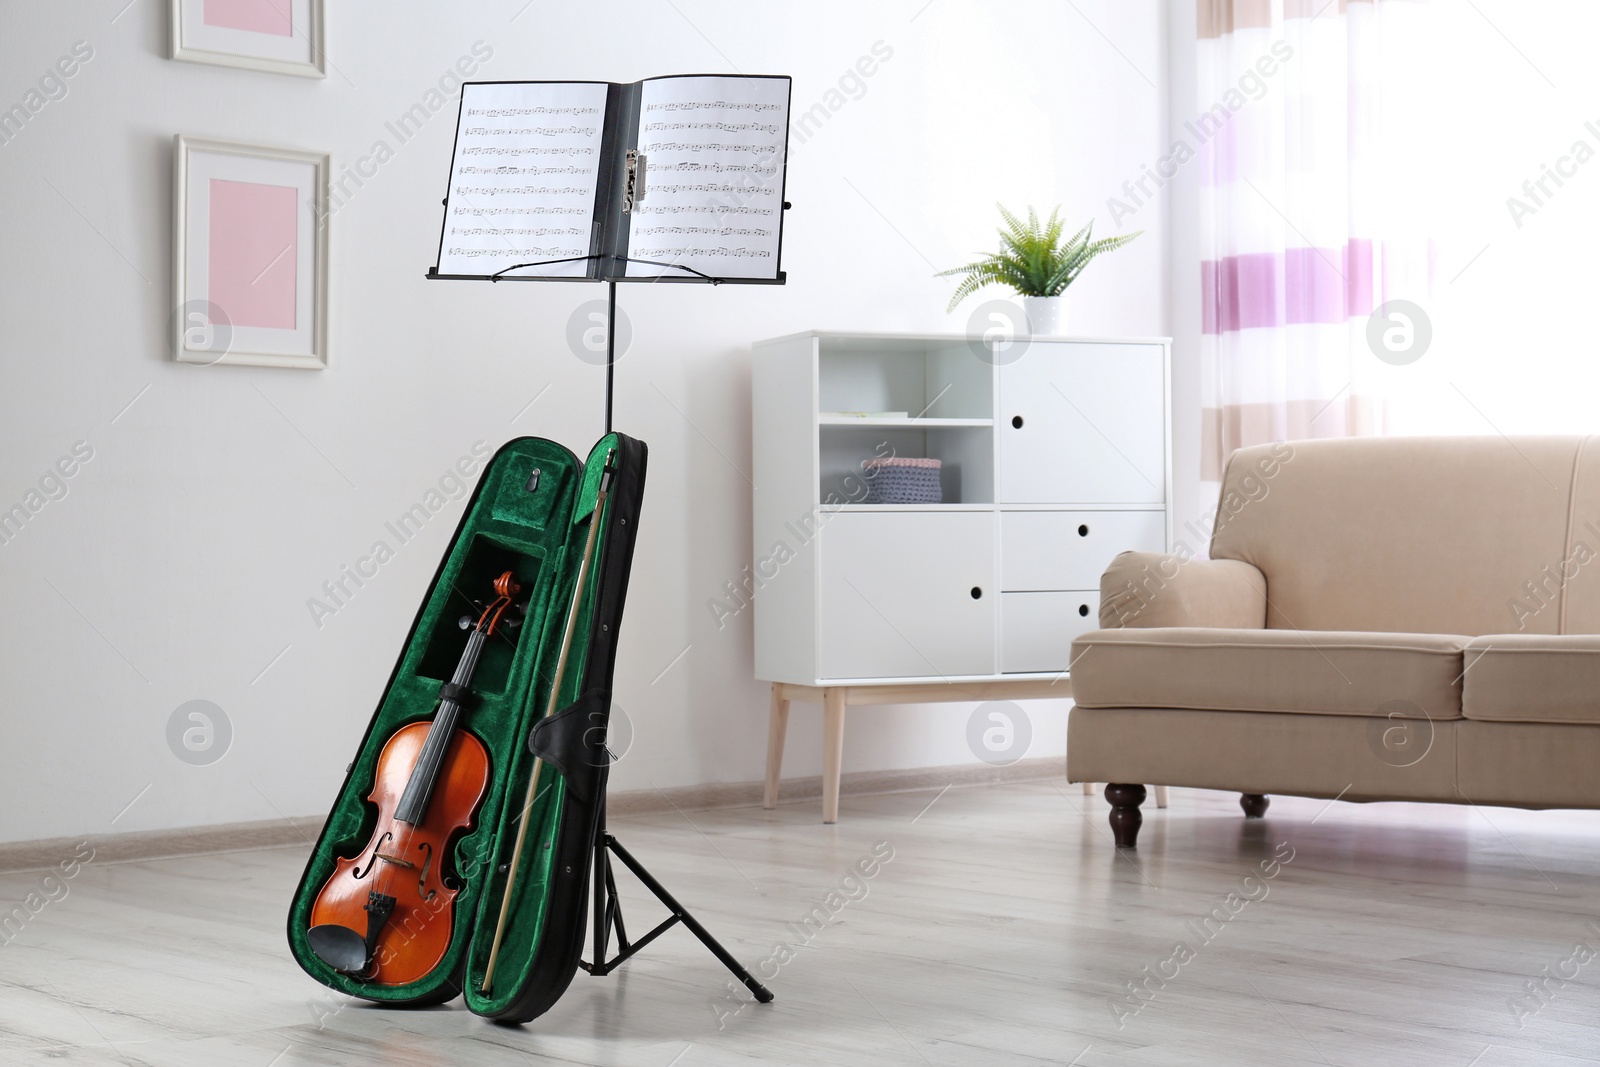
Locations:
(254, 253)
(273, 17)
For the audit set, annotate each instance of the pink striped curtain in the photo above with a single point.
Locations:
(1307, 149)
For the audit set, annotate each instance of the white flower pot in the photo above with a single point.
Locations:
(1047, 315)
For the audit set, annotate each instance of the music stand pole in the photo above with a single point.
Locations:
(611, 343)
(611, 299)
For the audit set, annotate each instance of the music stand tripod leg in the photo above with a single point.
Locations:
(761, 992)
(607, 912)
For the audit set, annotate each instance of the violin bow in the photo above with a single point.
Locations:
(555, 694)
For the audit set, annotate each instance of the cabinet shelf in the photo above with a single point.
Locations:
(965, 447)
(837, 509)
(904, 424)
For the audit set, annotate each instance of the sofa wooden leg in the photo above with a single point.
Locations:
(1125, 816)
(1254, 804)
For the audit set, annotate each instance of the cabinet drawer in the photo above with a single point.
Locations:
(1043, 550)
(1036, 629)
(907, 594)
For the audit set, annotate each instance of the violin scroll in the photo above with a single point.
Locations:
(506, 588)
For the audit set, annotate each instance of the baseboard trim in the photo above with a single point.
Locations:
(280, 833)
(859, 783)
(160, 844)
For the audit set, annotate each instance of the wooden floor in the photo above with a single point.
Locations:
(1003, 931)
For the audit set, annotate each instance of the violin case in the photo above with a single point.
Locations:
(530, 514)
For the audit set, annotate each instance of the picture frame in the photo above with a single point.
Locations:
(276, 36)
(250, 255)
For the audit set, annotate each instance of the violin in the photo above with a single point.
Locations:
(385, 916)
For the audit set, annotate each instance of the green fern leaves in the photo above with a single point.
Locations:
(1033, 259)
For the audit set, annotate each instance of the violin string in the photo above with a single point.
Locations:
(436, 746)
(431, 759)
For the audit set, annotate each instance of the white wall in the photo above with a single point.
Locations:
(180, 562)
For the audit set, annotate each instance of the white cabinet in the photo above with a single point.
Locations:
(907, 594)
(1052, 464)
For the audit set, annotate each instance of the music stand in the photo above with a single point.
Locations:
(622, 183)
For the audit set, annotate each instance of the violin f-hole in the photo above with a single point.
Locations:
(358, 872)
(427, 865)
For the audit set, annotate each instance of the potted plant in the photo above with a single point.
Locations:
(1038, 264)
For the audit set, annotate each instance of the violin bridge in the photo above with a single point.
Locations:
(396, 860)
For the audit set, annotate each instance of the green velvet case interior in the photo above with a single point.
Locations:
(540, 536)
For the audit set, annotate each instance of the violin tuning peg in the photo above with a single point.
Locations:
(465, 622)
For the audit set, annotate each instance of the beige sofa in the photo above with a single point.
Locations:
(1380, 619)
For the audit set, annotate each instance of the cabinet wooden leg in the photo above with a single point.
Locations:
(1161, 795)
(1125, 816)
(777, 731)
(832, 750)
(1088, 789)
(1254, 805)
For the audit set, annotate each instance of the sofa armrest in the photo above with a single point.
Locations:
(1146, 589)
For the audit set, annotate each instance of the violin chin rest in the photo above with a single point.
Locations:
(339, 947)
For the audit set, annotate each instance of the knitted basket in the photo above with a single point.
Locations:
(896, 480)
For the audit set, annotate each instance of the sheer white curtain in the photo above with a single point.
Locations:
(1312, 155)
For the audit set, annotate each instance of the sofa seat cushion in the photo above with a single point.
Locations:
(1314, 672)
(1532, 678)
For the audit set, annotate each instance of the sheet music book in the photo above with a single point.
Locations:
(682, 170)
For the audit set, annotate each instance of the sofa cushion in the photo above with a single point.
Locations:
(1318, 673)
(1532, 678)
